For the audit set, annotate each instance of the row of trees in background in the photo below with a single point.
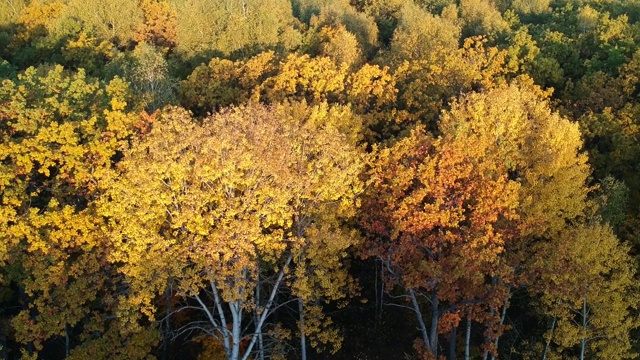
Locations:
(228, 179)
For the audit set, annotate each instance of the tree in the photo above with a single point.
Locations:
(111, 20)
(481, 18)
(225, 27)
(34, 41)
(250, 204)
(223, 82)
(341, 46)
(148, 72)
(453, 218)
(13, 9)
(419, 35)
(591, 294)
(425, 87)
(436, 218)
(301, 77)
(159, 27)
(59, 136)
(530, 7)
(336, 13)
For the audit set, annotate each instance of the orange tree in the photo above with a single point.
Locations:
(458, 218)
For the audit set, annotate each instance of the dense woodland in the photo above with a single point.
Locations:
(319, 179)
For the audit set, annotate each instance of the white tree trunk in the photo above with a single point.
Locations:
(546, 346)
(303, 336)
(421, 324)
(467, 338)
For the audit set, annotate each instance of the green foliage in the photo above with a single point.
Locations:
(530, 7)
(11, 11)
(480, 17)
(148, 71)
(613, 198)
(111, 20)
(320, 13)
(419, 35)
(226, 27)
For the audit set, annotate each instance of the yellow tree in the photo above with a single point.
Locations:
(222, 82)
(425, 86)
(59, 135)
(372, 93)
(301, 77)
(591, 294)
(159, 27)
(341, 46)
(242, 206)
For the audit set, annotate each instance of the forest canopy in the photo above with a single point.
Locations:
(319, 179)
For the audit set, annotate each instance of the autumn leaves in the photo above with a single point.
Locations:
(121, 228)
(488, 207)
(249, 202)
(113, 221)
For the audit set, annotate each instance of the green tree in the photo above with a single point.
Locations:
(225, 27)
(419, 35)
(336, 13)
(111, 20)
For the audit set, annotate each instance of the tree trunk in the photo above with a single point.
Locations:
(166, 332)
(236, 316)
(467, 340)
(435, 317)
(452, 343)
(502, 318)
(303, 336)
(546, 346)
(583, 341)
(485, 354)
(267, 308)
(223, 319)
(255, 316)
(421, 324)
(67, 345)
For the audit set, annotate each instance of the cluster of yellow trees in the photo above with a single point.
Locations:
(181, 172)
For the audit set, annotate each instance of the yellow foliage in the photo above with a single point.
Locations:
(590, 291)
(248, 186)
(341, 46)
(160, 23)
(448, 213)
(426, 86)
(300, 77)
(57, 146)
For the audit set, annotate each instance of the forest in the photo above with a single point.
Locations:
(319, 179)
